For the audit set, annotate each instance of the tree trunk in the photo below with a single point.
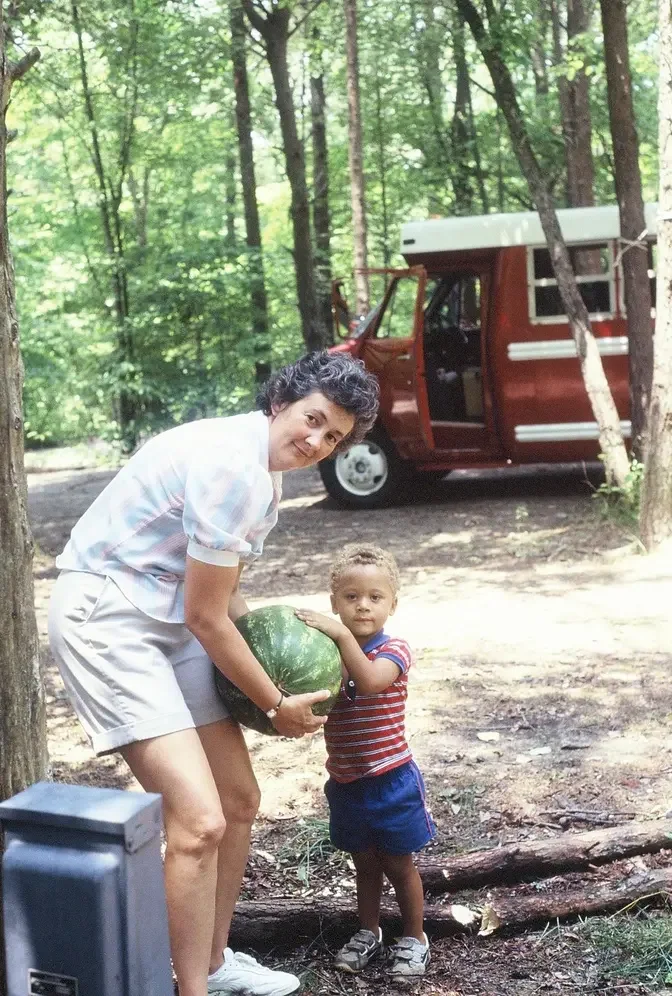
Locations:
(460, 127)
(356, 160)
(109, 201)
(570, 852)
(512, 913)
(269, 922)
(258, 300)
(274, 29)
(614, 454)
(23, 739)
(577, 126)
(262, 925)
(631, 207)
(321, 214)
(656, 517)
(382, 176)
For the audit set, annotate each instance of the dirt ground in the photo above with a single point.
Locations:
(532, 619)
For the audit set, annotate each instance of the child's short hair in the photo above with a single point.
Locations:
(364, 554)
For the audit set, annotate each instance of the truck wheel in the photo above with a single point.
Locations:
(368, 475)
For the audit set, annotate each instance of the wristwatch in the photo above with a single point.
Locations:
(272, 713)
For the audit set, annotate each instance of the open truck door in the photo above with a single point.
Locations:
(389, 340)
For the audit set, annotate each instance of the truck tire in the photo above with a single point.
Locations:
(368, 475)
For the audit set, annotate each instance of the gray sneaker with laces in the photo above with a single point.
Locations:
(408, 957)
(359, 951)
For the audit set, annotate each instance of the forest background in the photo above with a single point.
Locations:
(144, 297)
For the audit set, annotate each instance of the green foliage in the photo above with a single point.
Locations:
(621, 503)
(310, 849)
(159, 75)
(639, 949)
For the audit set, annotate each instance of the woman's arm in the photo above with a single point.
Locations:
(208, 591)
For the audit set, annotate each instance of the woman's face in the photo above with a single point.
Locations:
(306, 431)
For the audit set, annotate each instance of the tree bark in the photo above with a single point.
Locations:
(265, 924)
(656, 516)
(570, 852)
(356, 160)
(23, 739)
(460, 126)
(628, 179)
(577, 127)
(512, 913)
(258, 299)
(321, 213)
(274, 30)
(613, 450)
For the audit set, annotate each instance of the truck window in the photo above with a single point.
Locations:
(594, 271)
(397, 321)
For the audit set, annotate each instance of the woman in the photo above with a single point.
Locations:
(147, 599)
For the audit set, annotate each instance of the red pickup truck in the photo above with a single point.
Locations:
(476, 363)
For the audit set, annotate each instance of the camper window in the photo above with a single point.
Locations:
(594, 272)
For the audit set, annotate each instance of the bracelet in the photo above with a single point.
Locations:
(272, 713)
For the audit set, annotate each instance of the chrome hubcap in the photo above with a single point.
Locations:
(363, 469)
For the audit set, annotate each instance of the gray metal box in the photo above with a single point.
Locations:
(83, 896)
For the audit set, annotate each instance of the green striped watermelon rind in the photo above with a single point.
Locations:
(297, 657)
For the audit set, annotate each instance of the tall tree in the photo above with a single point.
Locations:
(23, 741)
(260, 332)
(273, 25)
(628, 179)
(321, 212)
(597, 387)
(356, 160)
(574, 94)
(656, 510)
(110, 183)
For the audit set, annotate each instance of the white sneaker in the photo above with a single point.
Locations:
(244, 976)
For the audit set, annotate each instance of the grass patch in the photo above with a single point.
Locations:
(310, 848)
(633, 947)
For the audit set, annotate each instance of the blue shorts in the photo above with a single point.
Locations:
(384, 812)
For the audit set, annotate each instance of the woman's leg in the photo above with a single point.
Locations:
(227, 754)
(369, 888)
(407, 885)
(176, 766)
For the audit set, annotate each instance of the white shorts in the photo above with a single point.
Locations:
(129, 677)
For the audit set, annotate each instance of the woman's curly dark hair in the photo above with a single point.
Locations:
(339, 377)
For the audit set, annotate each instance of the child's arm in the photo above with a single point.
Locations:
(369, 676)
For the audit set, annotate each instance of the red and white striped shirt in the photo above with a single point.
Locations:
(366, 736)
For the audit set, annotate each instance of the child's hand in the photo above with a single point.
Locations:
(330, 627)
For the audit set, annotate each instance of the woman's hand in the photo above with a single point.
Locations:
(295, 717)
(330, 627)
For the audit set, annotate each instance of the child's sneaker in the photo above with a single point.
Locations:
(359, 951)
(408, 957)
(241, 974)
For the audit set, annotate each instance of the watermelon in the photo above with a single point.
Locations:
(298, 658)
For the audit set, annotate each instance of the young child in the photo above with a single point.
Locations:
(375, 791)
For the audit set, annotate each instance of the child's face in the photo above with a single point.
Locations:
(363, 600)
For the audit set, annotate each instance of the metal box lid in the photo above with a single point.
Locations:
(133, 817)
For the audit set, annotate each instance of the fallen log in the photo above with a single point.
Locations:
(569, 852)
(511, 913)
(277, 921)
(262, 925)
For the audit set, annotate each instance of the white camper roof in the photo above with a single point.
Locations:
(493, 231)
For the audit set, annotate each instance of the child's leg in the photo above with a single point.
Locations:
(369, 888)
(407, 885)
